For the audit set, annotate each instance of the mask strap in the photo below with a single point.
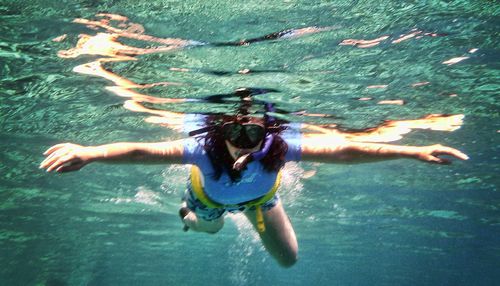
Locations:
(201, 130)
(268, 141)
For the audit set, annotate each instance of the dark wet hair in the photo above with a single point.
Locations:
(214, 144)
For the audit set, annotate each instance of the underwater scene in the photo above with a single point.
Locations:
(392, 72)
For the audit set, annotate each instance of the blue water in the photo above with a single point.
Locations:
(399, 222)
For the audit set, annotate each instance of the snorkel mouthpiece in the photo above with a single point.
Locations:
(268, 141)
(242, 161)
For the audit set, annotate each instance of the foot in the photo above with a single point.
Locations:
(183, 212)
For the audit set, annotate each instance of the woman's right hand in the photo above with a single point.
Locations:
(67, 157)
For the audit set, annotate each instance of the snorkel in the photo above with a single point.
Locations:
(242, 161)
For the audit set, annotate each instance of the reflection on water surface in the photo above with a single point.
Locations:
(106, 44)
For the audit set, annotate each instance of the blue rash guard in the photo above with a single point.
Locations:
(255, 181)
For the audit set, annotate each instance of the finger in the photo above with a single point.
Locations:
(443, 161)
(459, 155)
(433, 159)
(54, 148)
(53, 157)
(47, 162)
(61, 161)
(56, 153)
(438, 160)
(453, 152)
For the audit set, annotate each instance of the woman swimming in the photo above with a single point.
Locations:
(236, 163)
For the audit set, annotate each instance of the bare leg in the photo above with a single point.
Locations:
(279, 238)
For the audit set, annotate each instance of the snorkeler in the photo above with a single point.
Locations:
(236, 163)
(236, 159)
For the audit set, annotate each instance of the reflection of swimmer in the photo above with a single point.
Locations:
(237, 162)
(125, 88)
(105, 43)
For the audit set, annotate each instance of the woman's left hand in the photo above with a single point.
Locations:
(431, 154)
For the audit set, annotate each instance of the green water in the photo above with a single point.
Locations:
(393, 223)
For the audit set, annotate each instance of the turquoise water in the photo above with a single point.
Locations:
(392, 223)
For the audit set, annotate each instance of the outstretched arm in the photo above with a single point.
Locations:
(71, 157)
(324, 148)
